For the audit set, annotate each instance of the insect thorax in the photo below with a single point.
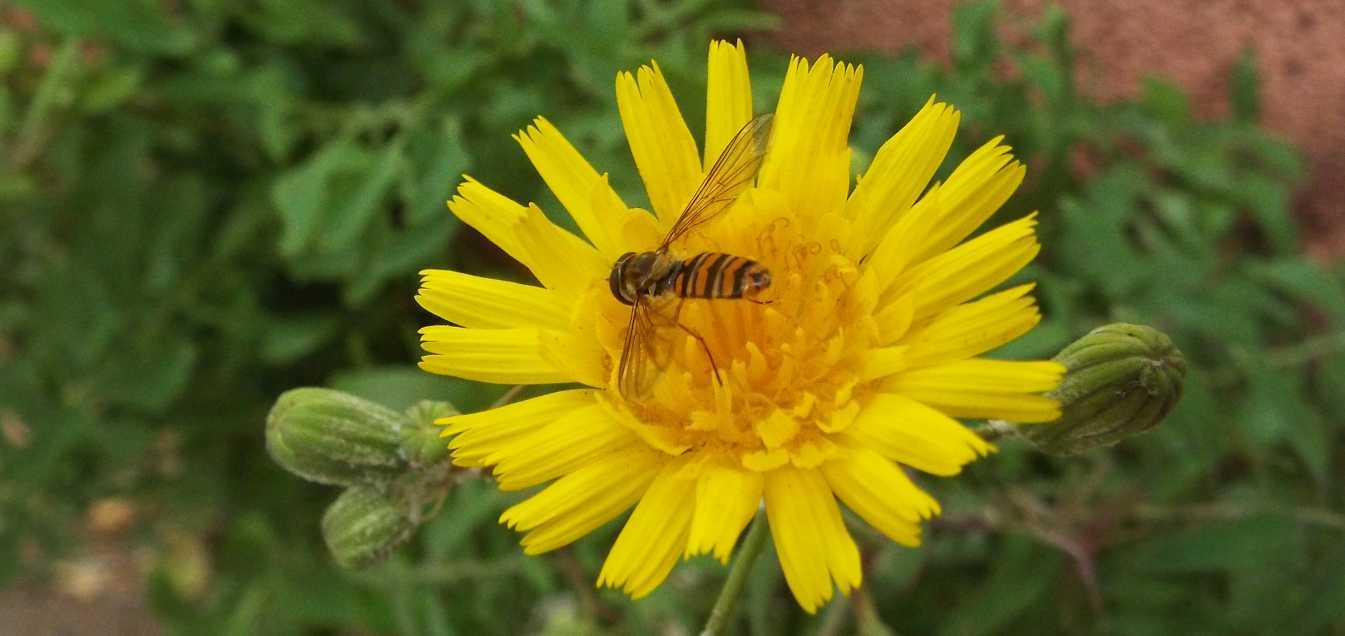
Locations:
(642, 274)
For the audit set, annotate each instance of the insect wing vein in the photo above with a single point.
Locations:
(735, 168)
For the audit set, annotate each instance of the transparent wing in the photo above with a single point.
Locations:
(634, 375)
(731, 173)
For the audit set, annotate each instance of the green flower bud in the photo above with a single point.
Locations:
(421, 442)
(364, 525)
(1121, 380)
(335, 438)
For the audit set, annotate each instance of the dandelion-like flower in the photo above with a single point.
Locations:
(849, 369)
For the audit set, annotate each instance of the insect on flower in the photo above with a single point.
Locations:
(641, 279)
(875, 303)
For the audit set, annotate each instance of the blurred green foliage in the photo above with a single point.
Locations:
(206, 203)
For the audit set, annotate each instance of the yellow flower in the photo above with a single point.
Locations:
(852, 371)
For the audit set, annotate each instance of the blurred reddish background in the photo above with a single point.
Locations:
(1297, 45)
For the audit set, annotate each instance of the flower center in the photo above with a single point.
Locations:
(789, 366)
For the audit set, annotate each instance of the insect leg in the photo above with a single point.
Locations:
(714, 368)
(677, 320)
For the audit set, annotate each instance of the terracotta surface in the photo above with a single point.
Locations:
(1298, 45)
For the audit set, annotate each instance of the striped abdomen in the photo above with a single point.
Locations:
(716, 275)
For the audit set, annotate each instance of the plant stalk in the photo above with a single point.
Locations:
(737, 581)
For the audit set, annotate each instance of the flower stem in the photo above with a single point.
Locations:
(737, 581)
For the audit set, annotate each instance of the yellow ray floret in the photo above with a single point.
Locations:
(652, 540)
(809, 159)
(879, 492)
(985, 388)
(659, 140)
(726, 499)
(810, 538)
(474, 301)
(501, 356)
(575, 504)
(584, 193)
(900, 171)
(906, 431)
(728, 97)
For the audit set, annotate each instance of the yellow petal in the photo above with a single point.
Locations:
(810, 537)
(659, 140)
(970, 269)
(501, 356)
(554, 257)
(976, 189)
(982, 388)
(654, 536)
(586, 195)
(726, 500)
(916, 435)
(558, 448)
(777, 428)
(948, 212)
(884, 361)
(728, 97)
(559, 259)
(474, 301)
(880, 493)
(577, 353)
(579, 502)
(973, 328)
(490, 213)
(894, 319)
(479, 435)
(809, 156)
(899, 172)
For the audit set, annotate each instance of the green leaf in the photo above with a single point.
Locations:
(438, 161)
(1273, 398)
(1166, 101)
(1020, 575)
(1304, 281)
(398, 387)
(151, 377)
(1217, 546)
(297, 335)
(975, 44)
(112, 88)
(1267, 201)
(139, 25)
(1244, 91)
(352, 213)
(300, 194)
(10, 50)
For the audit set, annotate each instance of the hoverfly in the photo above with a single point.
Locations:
(639, 278)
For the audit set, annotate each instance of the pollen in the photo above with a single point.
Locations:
(788, 364)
